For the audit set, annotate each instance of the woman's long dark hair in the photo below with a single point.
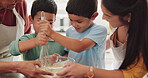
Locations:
(137, 41)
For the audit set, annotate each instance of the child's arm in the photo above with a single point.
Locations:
(41, 39)
(72, 44)
(26, 45)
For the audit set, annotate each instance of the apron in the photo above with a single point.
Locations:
(118, 51)
(7, 35)
(119, 54)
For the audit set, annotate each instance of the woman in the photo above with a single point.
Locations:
(13, 18)
(132, 15)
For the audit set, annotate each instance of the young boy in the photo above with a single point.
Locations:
(30, 44)
(85, 40)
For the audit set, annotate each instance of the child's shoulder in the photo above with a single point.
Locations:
(29, 36)
(98, 27)
(71, 28)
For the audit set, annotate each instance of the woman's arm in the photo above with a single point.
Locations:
(27, 68)
(76, 70)
(137, 70)
(7, 67)
(101, 73)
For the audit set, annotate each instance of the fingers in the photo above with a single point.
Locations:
(43, 34)
(62, 73)
(45, 27)
(65, 72)
(43, 21)
(35, 72)
(68, 64)
(37, 63)
(55, 54)
(41, 39)
(53, 58)
(38, 71)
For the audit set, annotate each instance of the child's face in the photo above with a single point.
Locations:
(37, 18)
(80, 23)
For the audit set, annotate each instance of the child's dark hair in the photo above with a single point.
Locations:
(84, 8)
(43, 5)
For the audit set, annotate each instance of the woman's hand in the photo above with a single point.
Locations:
(74, 70)
(29, 69)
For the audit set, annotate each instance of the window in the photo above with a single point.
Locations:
(61, 22)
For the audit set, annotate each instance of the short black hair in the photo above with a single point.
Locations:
(43, 5)
(84, 8)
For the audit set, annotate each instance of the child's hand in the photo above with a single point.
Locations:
(50, 59)
(41, 39)
(45, 27)
(53, 57)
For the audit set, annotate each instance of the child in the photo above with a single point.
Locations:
(85, 40)
(30, 44)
